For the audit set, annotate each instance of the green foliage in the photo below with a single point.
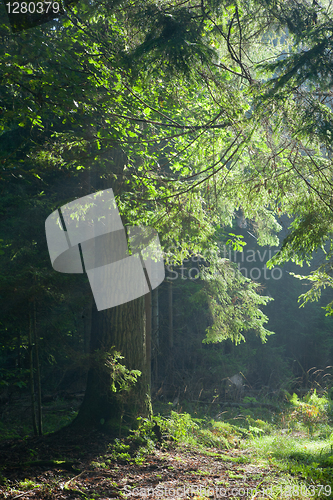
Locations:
(28, 484)
(222, 435)
(184, 429)
(181, 426)
(122, 379)
(258, 427)
(14, 377)
(120, 451)
(236, 242)
(320, 280)
(173, 39)
(308, 59)
(233, 304)
(312, 410)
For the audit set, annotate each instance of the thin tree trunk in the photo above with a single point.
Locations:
(170, 316)
(31, 366)
(38, 378)
(19, 349)
(155, 330)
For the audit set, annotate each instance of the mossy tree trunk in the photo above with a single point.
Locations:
(124, 328)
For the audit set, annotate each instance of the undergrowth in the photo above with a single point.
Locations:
(297, 442)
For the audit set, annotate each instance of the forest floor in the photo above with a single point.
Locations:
(79, 467)
(190, 459)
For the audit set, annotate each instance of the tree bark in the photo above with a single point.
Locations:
(148, 306)
(32, 384)
(38, 378)
(86, 316)
(18, 361)
(170, 316)
(124, 328)
(155, 332)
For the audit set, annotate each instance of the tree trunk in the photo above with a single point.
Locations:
(126, 328)
(148, 301)
(18, 361)
(86, 316)
(155, 332)
(170, 316)
(121, 327)
(32, 384)
(38, 379)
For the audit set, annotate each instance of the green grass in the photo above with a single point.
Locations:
(285, 446)
(308, 459)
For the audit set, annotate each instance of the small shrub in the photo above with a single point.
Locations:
(120, 451)
(311, 411)
(206, 437)
(28, 484)
(180, 426)
(258, 426)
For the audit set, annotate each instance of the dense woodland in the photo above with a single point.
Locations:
(212, 123)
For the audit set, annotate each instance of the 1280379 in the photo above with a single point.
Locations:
(33, 7)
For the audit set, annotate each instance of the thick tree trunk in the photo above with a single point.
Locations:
(121, 327)
(86, 316)
(125, 328)
(148, 336)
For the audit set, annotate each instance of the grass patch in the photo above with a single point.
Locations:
(309, 459)
(285, 447)
(27, 484)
